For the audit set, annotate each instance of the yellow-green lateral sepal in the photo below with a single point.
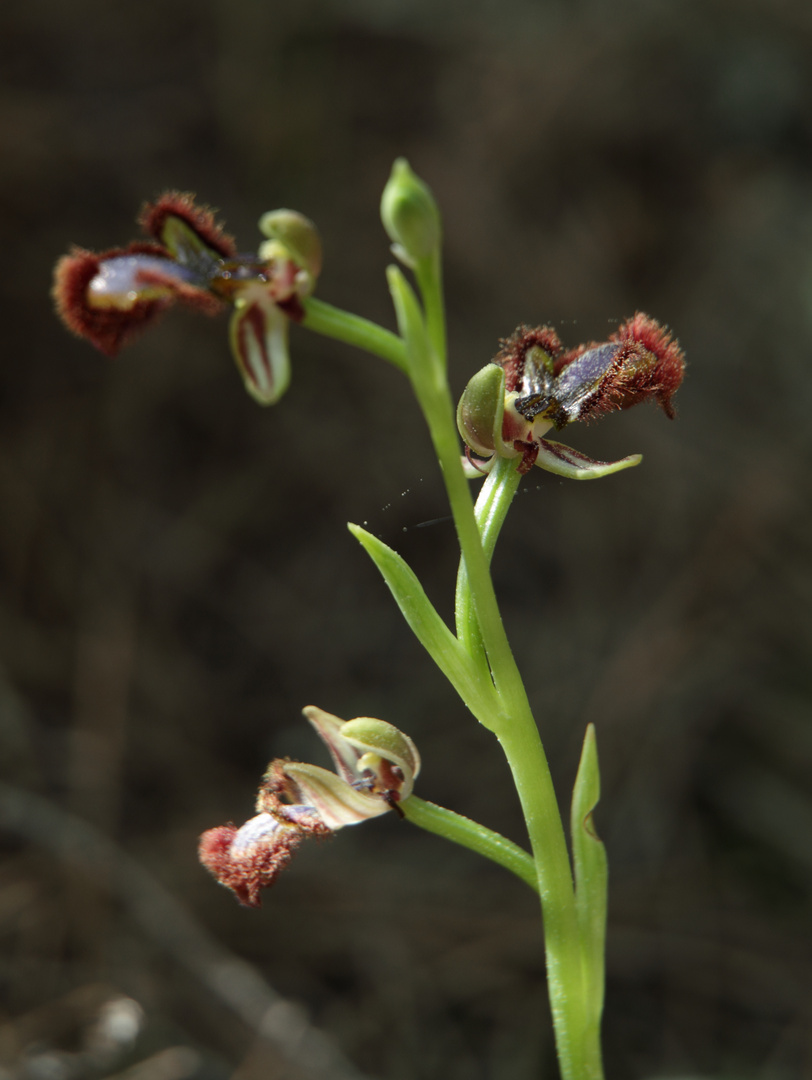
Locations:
(591, 873)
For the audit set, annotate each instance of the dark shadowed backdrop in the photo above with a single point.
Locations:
(176, 579)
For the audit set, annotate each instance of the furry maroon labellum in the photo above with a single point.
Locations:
(109, 298)
(534, 384)
(376, 765)
(249, 859)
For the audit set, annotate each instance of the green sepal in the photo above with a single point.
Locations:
(591, 874)
(374, 738)
(481, 410)
(471, 682)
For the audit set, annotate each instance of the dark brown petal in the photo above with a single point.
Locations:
(513, 350)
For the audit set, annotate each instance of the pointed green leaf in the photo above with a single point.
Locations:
(591, 873)
(407, 310)
(470, 682)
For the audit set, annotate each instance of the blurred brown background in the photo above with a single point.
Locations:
(176, 581)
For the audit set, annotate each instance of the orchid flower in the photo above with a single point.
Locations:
(534, 384)
(376, 765)
(109, 298)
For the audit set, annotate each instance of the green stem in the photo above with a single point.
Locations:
(335, 323)
(470, 834)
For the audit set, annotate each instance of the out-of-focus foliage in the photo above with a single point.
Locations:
(176, 581)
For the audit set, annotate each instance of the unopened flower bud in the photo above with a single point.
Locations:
(409, 214)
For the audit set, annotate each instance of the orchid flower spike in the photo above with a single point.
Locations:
(376, 766)
(534, 384)
(109, 298)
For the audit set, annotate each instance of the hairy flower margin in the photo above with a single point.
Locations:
(376, 766)
(109, 298)
(534, 384)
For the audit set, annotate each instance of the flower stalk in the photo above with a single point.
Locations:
(333, 322)
(470, 834)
